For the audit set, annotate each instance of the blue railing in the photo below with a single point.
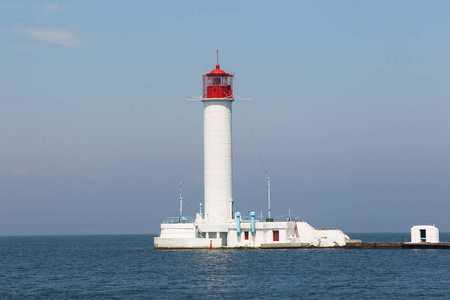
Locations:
(247, 218)
(178, 220)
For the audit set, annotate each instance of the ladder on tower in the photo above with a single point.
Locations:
(200, 234)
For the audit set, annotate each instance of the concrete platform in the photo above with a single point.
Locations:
(396, 245)
(360, 245)
(284, 245)
(426, 246)
(186, 244)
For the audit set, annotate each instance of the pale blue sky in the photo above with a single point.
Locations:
(350, 111)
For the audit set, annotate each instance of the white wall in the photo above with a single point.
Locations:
(185, 235)
(180, 230)
(180, 243)
(320, 238)
(432, 234)
(218, 160)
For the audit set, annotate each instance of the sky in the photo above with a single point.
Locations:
(349, 113)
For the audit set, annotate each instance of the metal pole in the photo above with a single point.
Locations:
(268, 192)
(181, 203)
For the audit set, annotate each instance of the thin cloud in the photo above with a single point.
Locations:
(12, 6)
(46, 8)
(148, 174)
(56, 36)
(20, 171)
(49, 8)
(42, 176)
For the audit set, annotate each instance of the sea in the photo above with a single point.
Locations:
(127, 267)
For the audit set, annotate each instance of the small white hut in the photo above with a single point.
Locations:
(424, 234)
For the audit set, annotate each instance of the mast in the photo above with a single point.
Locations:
(268, 194)
(181, 203)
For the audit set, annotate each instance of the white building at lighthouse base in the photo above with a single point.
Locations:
(235, 233)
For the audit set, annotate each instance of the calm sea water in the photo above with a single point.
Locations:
(127, 267)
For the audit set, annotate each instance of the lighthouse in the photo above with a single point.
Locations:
(217, 99)
(218, 227)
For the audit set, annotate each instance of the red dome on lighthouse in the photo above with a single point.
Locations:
(218, 84)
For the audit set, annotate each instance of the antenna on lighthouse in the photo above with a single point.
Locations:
(269, 219)
(217, 56)
(181, 203)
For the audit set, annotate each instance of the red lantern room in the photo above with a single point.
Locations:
(218, 84)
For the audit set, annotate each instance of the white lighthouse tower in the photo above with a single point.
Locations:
(218, 227)
(217, 100)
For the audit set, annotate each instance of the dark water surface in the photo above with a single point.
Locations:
(127, 267)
